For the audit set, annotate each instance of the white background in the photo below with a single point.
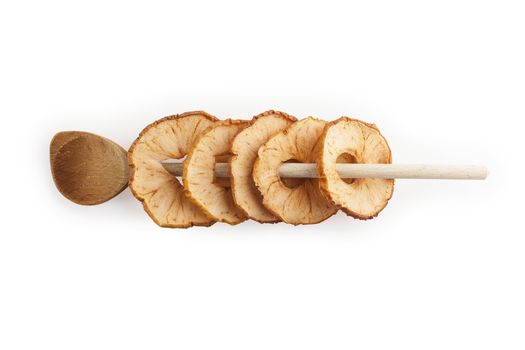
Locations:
(441, 267)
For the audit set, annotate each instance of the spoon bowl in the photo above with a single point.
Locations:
(88, 169)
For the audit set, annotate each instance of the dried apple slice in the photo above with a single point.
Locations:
(350, 140)
(302, 201)
(244, 153)
(213, 195)
(161, 193)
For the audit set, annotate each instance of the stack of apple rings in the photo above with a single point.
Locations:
(255, 149)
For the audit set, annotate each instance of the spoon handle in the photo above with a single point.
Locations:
(348, 171)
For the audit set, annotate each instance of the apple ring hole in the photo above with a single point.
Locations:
(222, 181)
(346, 158)
(289, 181)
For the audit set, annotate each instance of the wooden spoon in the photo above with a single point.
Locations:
(88, 169)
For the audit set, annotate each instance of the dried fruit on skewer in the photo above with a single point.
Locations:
(300, 202)
(244, 153)
(161, 193)
(211, 194)
(305, 170)
(348, 140)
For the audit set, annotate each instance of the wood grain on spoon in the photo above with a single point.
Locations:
(88, 169)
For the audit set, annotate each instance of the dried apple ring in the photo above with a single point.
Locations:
(303, 202)
(350, 140)
(244, 150)
(213, 195)
(161, 193)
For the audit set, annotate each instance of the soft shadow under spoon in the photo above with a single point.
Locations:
(88, 169)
